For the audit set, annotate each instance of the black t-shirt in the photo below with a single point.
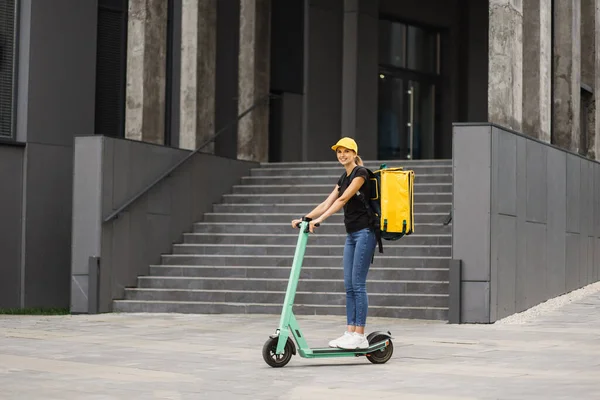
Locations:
(355, 212)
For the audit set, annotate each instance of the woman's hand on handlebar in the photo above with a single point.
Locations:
(313, 224)
(296, 223)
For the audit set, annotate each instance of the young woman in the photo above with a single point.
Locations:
(360, 241)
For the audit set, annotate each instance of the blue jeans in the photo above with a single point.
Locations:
(358, 253)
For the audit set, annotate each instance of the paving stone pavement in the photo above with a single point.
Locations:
(180, 357)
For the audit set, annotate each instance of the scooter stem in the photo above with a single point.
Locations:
(290, 293)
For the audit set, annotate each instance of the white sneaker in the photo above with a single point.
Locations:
(334, 342)
(354, 341)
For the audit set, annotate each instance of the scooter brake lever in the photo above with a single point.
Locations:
(307, 230)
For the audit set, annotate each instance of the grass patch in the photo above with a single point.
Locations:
(34, 311)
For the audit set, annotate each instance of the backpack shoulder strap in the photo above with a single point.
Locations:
(362, 198)
(354, 171)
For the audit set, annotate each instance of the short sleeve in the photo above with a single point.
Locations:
(362, 172)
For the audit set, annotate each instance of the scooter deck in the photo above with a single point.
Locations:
(333, 351)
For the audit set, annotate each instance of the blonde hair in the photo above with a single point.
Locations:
(358, 160)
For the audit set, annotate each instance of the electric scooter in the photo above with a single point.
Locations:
(279, 348)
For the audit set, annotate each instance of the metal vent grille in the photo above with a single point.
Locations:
(7, 56)
(110, 72)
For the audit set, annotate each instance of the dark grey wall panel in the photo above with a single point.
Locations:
(587, 219)
(504, 267)
(150, 226)
(48, 225)
(182, 209)
(573, 260)
(552, 244)
(56, 99)
(86, 230)
(62, 64)
(557, 220)
(291, 140)
(475, 303)
(367, 77)
(323, 80)
(521, 288)
(471, 219)
(11, 181)
(87, 177)
(536, 182)
(521, 291)
(590, 260)
(587, 191)
(573, 193)
(506, 153)
(135, 167)
(536, 264)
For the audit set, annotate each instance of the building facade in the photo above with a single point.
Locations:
(394, 75)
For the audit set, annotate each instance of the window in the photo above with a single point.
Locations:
(410, 47)
(111, 58)
(7, 67)
(586, 119)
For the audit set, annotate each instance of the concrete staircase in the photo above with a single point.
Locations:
(238, 259)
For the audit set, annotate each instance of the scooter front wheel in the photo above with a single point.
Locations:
(270, 355)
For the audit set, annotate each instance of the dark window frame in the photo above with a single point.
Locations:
(439, 31)
(13, 59)
(436, 79)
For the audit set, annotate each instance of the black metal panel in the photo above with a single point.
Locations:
(287, 46)
(226, 95)
(7, 67)
(111, 68)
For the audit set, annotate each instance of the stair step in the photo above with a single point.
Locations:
(325, 189)
(429, 313)
(313, 249)
(269, 228)
(278, 297)
(330, 179)
(303, 208)
(288, 217)
(308, 261)
(267, 284)
(373, 164)
(210, 271)
(316, 198)
(310, 170)
(292, 239)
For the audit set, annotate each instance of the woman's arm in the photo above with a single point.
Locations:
(321, 208)
(338, 203)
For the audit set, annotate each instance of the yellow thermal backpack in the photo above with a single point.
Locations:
(389, 202)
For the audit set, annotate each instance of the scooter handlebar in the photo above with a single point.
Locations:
(298, 225)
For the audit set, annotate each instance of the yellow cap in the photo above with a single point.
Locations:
(346, 142)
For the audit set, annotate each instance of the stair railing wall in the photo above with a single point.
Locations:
(131, 201)
(525, 221)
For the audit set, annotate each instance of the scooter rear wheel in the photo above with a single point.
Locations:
(271, 357)
(381, 356)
